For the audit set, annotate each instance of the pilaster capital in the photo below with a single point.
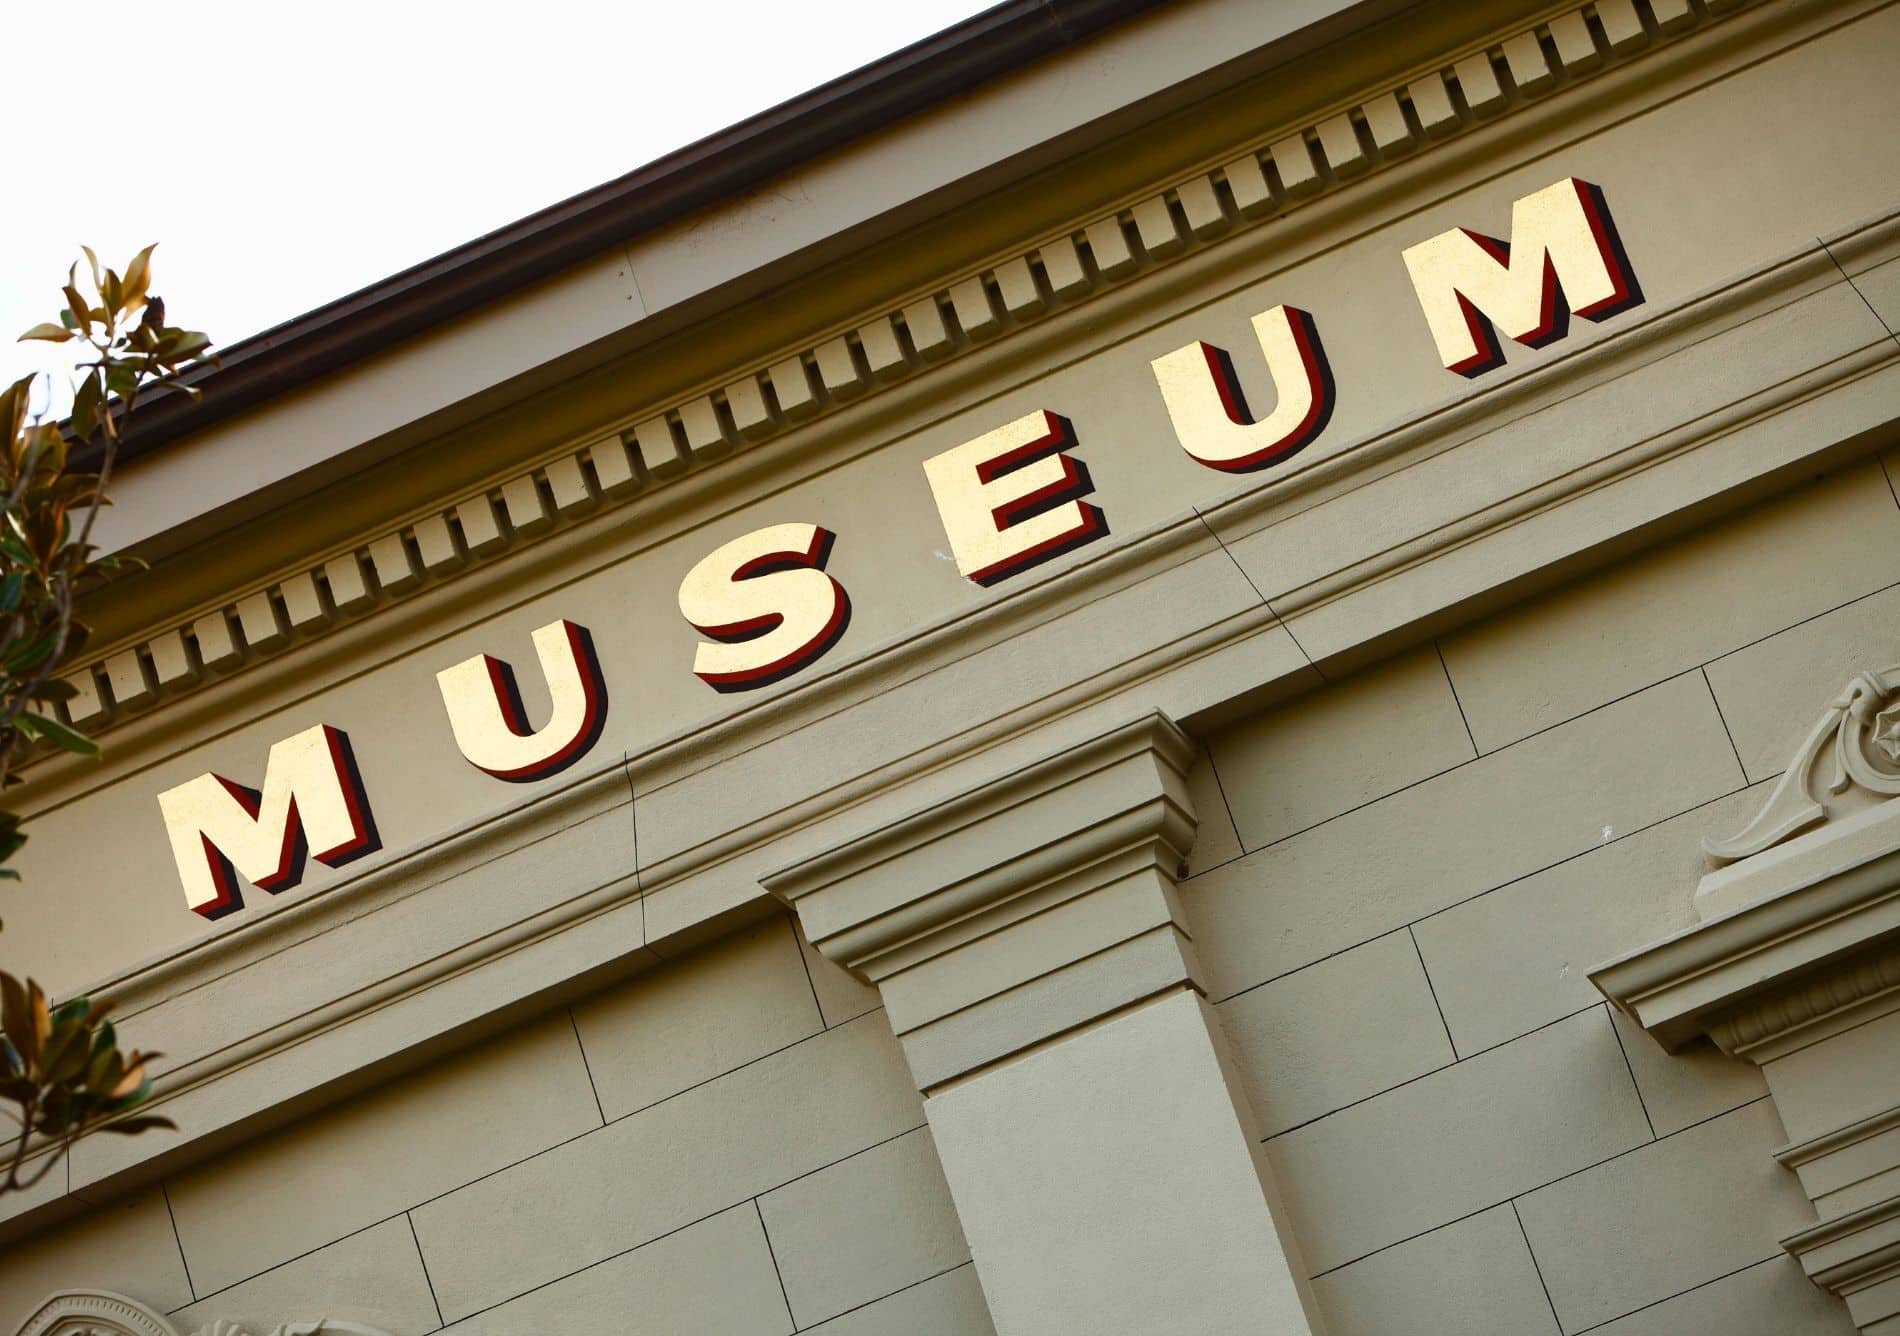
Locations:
(1809, 938)
(1020, 908)
(1795, 963)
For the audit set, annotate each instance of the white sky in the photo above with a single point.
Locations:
(286, 154)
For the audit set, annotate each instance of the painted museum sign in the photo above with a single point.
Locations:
(1008, 500)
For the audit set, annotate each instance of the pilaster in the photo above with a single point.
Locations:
(1031, 952)
(1796, 967)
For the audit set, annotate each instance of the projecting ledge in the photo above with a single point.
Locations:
(1796, 968)
(1033, 959)
(1019, 909)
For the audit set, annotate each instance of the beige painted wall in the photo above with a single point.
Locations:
(1423, 860)
(728, 1145)
(1680, 179)
(1398, 884)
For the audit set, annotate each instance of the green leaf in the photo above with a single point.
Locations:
(11, 589)
(67, 1054)
(145, 1122)
(15, 1015)
(49, 333)
(13, 547)
(88, 406)
(60, 735)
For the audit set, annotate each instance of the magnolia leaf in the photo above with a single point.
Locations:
(76, 306)
(130, 1082)
(39, 1018)
(50, 333)
(138, 275)
(15, 1016)
(145, 1122)
(60, 735)
(67, 1054)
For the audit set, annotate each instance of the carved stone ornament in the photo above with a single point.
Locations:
(94, 1313)
(103, 1313)
(1850, 759)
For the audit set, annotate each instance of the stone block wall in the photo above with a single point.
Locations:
(728, 1145)
(1400, 884)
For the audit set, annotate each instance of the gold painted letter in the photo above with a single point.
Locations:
(1009, 499)
(1210, 415)
(488, 720)
(220, 830)
(766, 606)
(1563, 257)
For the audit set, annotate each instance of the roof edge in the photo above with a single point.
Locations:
(996, 42)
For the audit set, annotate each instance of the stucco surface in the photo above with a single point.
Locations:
(1427, 789)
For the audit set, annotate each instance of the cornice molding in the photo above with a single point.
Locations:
(1851, 1255)
(1754, 1031)
(1019, 909)
(1819, 934)
(1141, 806)
(1122, 569)
(455, 985)
(1798, 1154)
(1283, 170)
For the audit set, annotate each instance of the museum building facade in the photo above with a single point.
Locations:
(1198, 668)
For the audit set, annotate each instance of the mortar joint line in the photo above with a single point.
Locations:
(1265, 602)
(798, 945)
(1541, 1284)
(423, 1262)
(772, 1253)
(1723, 719)
(1438, 1006)
(586, 1066)
(1849, 280)
(191, 1286)
(1444, 667)
(1630, 1067)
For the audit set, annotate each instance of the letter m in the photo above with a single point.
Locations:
(1563, 257)
(220, 830)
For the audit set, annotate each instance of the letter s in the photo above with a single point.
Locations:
(765, 605)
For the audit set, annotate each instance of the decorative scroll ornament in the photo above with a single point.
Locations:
(1851, 757)
(323, 1326)
(103, 1313)
(94, 1313)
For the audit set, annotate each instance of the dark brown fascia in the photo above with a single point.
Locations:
(998, 41)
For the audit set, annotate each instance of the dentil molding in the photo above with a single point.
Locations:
(1288, 167)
